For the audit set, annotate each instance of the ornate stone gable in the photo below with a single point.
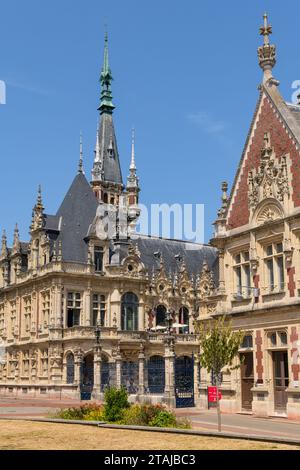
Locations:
(206, 284)
(265, 171)
(270, 179)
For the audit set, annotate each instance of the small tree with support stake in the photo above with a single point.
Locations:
(219, 346)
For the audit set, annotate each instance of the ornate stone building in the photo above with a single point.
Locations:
(86, 304)
(82, 308)
(257, 236)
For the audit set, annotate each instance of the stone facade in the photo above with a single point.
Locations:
(257, 235)
(81, 309)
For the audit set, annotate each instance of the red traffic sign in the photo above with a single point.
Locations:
(212, 394)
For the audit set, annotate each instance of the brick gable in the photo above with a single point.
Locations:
(268, 121)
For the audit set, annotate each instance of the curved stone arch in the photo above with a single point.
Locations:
(130, 304)
(67, 352)
(105, 357)
(185, 354)
(267, 211)
(136, 263)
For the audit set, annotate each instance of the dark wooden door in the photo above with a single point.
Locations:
(247, 378)
(281, 379)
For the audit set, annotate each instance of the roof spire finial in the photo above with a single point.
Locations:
(16, 242)
(80, 166)
(106, 105)
(39, 202)
(132, 163)
(266, 52)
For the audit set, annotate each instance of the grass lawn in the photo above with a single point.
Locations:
(25, 435)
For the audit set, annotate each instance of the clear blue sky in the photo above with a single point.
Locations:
(185, 75)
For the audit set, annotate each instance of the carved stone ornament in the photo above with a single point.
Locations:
(268, 214)
(270, 180)
(206, 286)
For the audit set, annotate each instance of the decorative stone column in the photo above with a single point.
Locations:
(78, 357)
(141, 370)
(262, 387)
(33, 365)
(169, 395)
(55, 360)
(97, 372)
(118, 367)
(87, 308)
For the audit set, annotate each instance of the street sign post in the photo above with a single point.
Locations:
(212, 394)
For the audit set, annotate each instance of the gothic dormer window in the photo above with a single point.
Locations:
(111, 150)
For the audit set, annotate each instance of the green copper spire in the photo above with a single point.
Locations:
(106, 105)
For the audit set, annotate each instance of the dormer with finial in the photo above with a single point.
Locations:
(266, 52)
(36, 232)
(38, 213)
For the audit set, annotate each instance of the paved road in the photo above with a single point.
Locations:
(12, 407)
(243, 423)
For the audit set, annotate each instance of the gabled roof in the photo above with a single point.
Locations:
(287, 114)
(77, 212)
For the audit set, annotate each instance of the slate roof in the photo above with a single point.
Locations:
(295, 111)
(192, 254)
(77, 212)
(111, 165)
(52, 223)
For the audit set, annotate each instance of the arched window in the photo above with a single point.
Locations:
(70, 368)
(161, 315)
(184, 319)
(156, 374)
(105, 198)
(129, 312)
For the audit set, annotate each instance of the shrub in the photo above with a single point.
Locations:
(115, 402)
(149, 412)
(164, 419)
(134, 416)
(82, 412)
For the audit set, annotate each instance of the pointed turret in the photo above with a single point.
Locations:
(4, 249)
(132, 179)
(38, 212)
(266, 52)
(107, 179)
(16, 242)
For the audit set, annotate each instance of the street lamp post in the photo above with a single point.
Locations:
(98, 333)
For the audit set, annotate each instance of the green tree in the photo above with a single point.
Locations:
(219, 347)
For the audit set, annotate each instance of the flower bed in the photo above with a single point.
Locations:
(117, 410)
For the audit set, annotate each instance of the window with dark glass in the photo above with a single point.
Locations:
(129, 312)
(70, 368)
(73, 309)
(98, 310)
(247, 342)
(184, 319)
(98, 259)
(161, 312)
